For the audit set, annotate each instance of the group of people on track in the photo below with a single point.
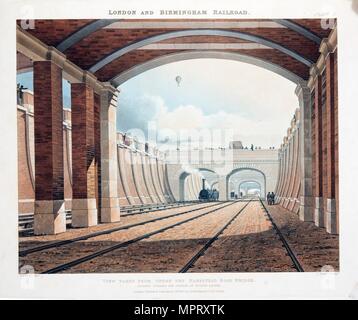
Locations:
(270, 197)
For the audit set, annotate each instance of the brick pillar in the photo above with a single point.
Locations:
(331, 216)
(84, 207)
(317, 145)
(110, 211)
(49, 215)
(305, 153)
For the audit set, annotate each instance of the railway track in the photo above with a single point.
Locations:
(201, 252)
(209, 243)
(56, 244)
(141, 210)
(124, 244)
(26, 221)
(285, 244)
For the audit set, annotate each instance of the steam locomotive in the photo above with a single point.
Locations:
(208, 195)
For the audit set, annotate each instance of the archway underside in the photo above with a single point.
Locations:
(240, 176)
(114, 50)
(245, 187)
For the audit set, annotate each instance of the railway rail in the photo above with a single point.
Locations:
(124, 244)
(209, 243)
(285, 244)
(213, 207)
(26, 221)
(56, 244)
(201, 252)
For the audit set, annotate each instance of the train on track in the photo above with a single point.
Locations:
(208, 195)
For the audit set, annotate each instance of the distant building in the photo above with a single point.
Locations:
(236, 145)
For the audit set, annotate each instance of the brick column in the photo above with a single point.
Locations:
(84, 207)
(49, 215)
(305, 153)
(317, 145)
(110, 211)
(331, 215)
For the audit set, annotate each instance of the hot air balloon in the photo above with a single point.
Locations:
(178, 80)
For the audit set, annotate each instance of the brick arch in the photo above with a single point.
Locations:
(93, 26)
(198, 32)
(237, 170)
(189, 55)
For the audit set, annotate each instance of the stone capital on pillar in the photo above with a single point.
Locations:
(110, 92)
(90, 79)
(303, 92)
(56, 57)
(314, 71)
(326, 48)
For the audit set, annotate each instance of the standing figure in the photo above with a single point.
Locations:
(272, 198)
(268, 198)
(215, 195)
(20, 94)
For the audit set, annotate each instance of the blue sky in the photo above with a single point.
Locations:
(213, 94)
(26, 79)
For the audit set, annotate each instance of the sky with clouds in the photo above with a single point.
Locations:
(253, 104)
(256, 104)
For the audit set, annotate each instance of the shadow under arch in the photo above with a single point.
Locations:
(203, 169)
(189, 55)
(215, 185)
(183, 175)
(182, 178)
(206, 169)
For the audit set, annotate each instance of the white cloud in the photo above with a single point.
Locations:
(183, 117)
(256, 104)
(248, 130)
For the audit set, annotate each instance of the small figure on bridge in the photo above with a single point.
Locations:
(20, 94)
